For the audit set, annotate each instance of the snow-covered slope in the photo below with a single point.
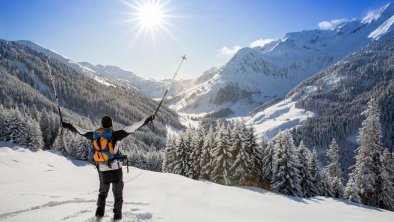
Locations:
(107, 75)
(69, 62)
(257, 75)
(45, 186)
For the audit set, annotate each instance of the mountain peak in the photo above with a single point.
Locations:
(382, 13)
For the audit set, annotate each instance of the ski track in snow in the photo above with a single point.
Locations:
(50, 204)
(130, 212)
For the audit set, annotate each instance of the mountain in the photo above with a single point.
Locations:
(26, 86)
(255, 76)
(330, 104)
(30, 193)
(107, 75)
(149, 87)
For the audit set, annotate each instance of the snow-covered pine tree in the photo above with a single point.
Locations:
(385, 183)
(181, 155)
(197, 144)
(15, 128)
(326, 184)
(307, 183)
(3, 114)
(84, 148)
(286, 177)
(240, 169)
(266, 163)
(189, 146)
(33, 137)
(256, 155)
(368, 164)
(169, 155)
(221, 156)
(206, 156)
(44, 125)
(334, 171)
(154, 161)
(316, 172)
(351, 190)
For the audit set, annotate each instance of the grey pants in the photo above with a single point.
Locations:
(106, 178)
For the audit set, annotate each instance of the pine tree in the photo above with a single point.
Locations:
(198, 143)
(334, 171)
(286, 177)
(221, 156)
(189, 146)
(240, 169)
(307, 183)
(169, 155)
(14, 124)
(181, 156)
(268, 153)
(33, 137)
(385, 183)
(206, 156)
(368, 164)
(256, 155)
(326, 184)
(351, 190)
(316, 172)
(44, 126)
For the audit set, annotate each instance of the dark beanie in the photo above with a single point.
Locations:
(106, 122)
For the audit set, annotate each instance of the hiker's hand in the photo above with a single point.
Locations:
(65, 125)
(150, 119)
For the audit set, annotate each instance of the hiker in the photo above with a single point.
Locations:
(109, 167)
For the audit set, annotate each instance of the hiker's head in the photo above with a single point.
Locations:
(106, 122)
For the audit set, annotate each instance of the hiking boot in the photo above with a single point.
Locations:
(100, 212)
(117, 216)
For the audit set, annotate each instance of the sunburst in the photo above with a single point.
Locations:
(150, 18)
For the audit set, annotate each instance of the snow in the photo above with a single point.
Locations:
(45, 186)
(279, 117)
(103, 81)
(383, 29)
(377, 14)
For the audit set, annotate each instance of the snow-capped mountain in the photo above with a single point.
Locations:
(46, 186)
(257, 75)
(330, 104)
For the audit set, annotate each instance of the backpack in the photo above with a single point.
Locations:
(103, 150)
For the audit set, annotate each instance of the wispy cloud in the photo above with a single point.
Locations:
(229, 51)
(261, 42)
(330, 25)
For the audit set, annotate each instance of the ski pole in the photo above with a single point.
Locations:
(172, 81)
(54, 90)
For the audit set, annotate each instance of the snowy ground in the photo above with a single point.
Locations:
(279, 117)
(45, 186)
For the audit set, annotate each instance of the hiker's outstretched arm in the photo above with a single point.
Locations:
(121, 134)
(75, 129)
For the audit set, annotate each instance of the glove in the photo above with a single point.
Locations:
(150, 119)
(65, 125)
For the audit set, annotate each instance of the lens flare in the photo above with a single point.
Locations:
(150, 18)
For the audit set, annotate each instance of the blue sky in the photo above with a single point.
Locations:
(96, 30)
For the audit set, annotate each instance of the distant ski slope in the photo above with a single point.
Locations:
(45, 186)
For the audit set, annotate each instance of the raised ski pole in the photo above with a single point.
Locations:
(54, 90)
(172, 81)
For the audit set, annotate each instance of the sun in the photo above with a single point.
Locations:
(149, 18)
(150, 15)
